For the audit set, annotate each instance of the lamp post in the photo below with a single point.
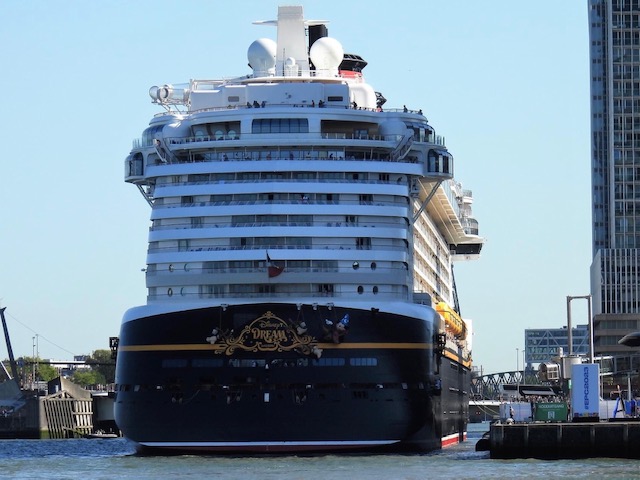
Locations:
(33, 363)
(517, 371)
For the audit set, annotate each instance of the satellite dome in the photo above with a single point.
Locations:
(392, 127)
(326, 53)
(262, 56)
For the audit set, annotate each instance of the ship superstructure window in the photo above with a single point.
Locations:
(198, 178)
(211, 290)
(149, 135)
(218, 130)
(242, 220)
(361, 133)
(330, 175)
(206, 363)
(363, 243)
(280, 125)
(211, 267)
(174, 363)
(363, 362)
(325, 266)
(248, 176)
(328, 362)
(325, 289)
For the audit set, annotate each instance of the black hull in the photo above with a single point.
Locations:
(379, 387)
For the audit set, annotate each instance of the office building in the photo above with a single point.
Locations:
(614, 36)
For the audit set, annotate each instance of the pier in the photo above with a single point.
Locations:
(614, 439)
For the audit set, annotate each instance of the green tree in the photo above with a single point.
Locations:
(27, 365)
(46, 372)
(101, 361)
(85, 377)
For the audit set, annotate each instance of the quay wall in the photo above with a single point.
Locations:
(565, 440)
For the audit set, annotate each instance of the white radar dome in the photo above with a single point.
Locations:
(392, 127)
(262, 55)
(326, 53)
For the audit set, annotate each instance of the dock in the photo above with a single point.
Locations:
(615, 439)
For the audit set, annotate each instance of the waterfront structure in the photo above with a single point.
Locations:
(543, 344)
(300, 283)
(614, 36)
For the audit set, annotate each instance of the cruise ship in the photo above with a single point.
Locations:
(301, 295)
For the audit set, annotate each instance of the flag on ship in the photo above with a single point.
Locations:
(273, 269)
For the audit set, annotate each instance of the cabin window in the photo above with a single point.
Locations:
(280, 125)
(363, 362)
(174, 363)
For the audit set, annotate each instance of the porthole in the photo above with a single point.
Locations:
(375, 290)
(171, 267)
(360, 289)
(356, 265)
(183, 293)
(373, 265)
(170, 291)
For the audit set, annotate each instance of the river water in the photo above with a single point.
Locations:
(115, 459)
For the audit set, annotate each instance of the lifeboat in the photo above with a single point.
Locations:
(452, 320)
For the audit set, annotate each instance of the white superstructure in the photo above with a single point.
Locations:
(293, 183)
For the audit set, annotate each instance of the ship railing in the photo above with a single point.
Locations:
(470, 226)
(359, 181)
(324, 136)
(311, 293)
(283, 202)
(280, 152)
(275, 246)
(225, 156)
(181, 226)
(303, 104)
(283, 263)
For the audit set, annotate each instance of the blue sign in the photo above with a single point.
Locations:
(585, 393)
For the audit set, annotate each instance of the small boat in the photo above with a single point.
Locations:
(101, 434)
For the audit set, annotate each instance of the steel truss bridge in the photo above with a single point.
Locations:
(489, 386)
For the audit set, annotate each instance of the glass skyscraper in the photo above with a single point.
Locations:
(614, 36)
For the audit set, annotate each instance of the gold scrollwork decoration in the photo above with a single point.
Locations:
(267, 333)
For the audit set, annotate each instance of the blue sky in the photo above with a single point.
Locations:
(506, 83)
